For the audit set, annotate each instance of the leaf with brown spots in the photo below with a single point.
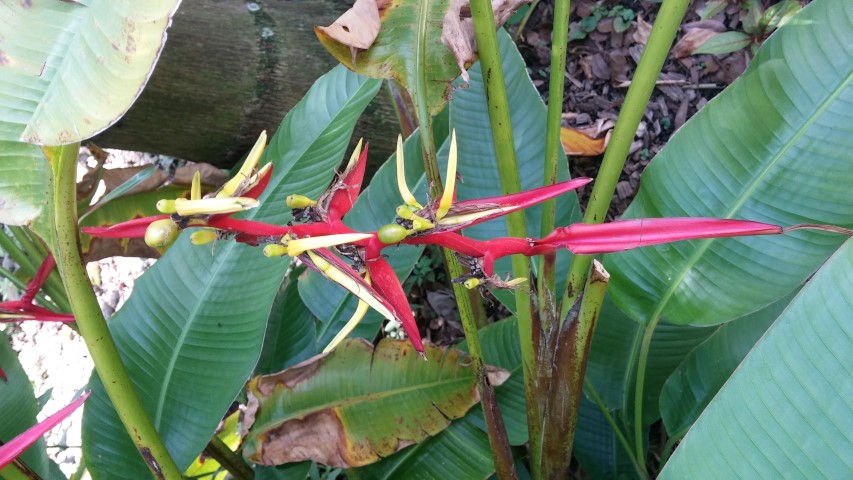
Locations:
(358, 404)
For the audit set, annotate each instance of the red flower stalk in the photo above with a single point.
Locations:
(25, 309)
(12, 449)
(622, 235)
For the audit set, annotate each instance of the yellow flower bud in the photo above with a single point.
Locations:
(275, 250)
(166, 206)
(203, 237)
(471, 283)
(299, 201)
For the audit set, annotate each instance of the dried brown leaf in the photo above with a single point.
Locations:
(458, 29)
(691, 41)
(357, 28)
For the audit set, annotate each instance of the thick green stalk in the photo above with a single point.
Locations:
(566, 389)
(230, 461)
(643, 83)
(90, 320)
(499, 118)
(504, 465)
(642, 361)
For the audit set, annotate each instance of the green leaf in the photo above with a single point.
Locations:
(70, 69)
(357, 404)
(786, 410)
(460, 451)
(477, 162)
(192, 331)
(695, 382)
(291, 330)
(408, 46)
(17, 395)
(596, 447)
(775, 147)
(375, 207)
(26, 188)
(725, 42)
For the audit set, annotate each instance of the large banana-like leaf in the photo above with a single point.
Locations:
(695, 382)
(70, 69)
(407, 49)
(375, 207)
(777, 147)
(17, 395)
(192, 331)
(358, 404)
(478, 164)
(26, 188)
(786, 410)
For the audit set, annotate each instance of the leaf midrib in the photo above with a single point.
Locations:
(704, 245)
(369, 397)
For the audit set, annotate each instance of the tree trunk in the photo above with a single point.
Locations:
(231, 69)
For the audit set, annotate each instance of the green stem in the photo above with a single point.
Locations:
(620, 437)
(559, 41)
(668, 448)
(230, 461)
(90, 320)
(523, 23)
(566, 389)
(643, 83)
(24, 261)
(504, 465)
(501, 126)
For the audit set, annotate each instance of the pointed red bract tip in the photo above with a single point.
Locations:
(623, 235)
(17, 445)
(345, 194)
(3, 375)
(130, 229)
(385, 282)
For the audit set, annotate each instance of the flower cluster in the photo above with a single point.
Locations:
(321, 240)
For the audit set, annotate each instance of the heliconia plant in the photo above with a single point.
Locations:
(286, 274)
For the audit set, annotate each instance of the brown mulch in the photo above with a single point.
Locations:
(599, 69)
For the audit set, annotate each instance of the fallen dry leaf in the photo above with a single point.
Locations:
(587, 141)
(458, 28)
(644, 29)
(357, 28)
(691, 41)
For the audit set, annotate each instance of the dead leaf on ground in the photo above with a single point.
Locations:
(358, 27)
(587, 141)
(458, 29)
(691, 41)
(644, 29)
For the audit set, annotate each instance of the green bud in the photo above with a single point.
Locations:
(392, 233)
(161, 233)
(471, 283)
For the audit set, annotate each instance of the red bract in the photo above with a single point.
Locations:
(386, 283)
(343, 193)
(627, 234)
(130, 229)
(17, 445)
(24, 309)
